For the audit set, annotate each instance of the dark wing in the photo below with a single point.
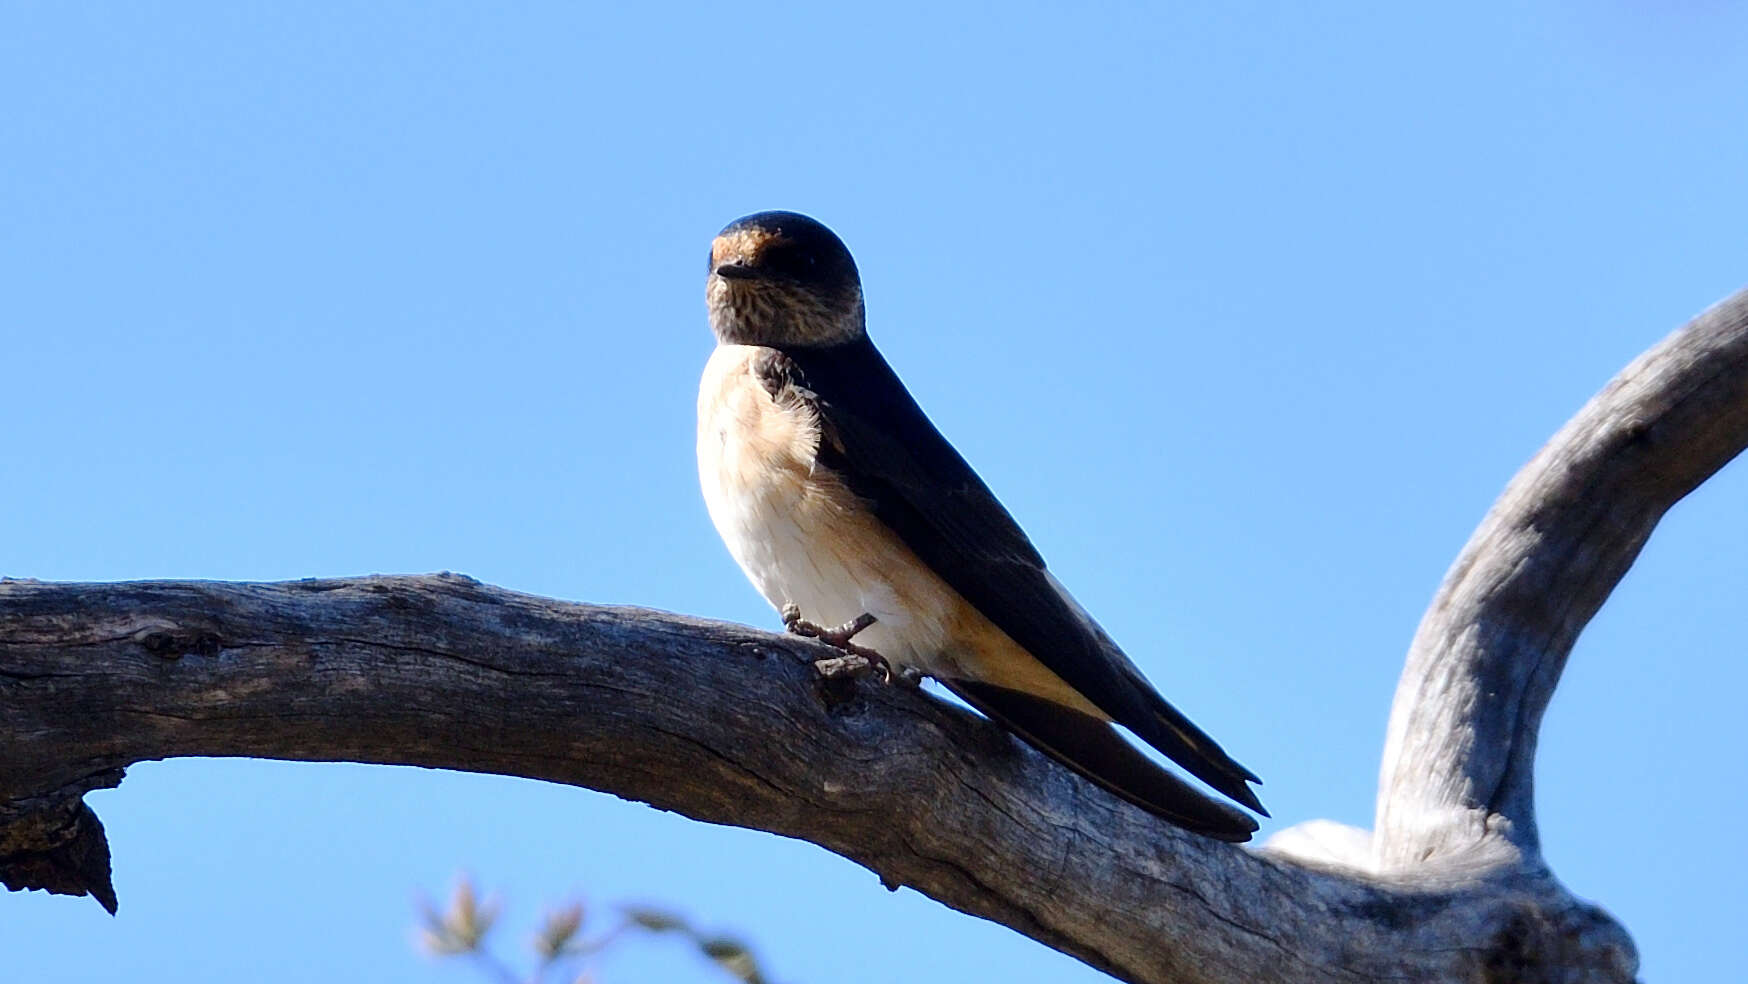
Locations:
(890, 455)
(1097, 751)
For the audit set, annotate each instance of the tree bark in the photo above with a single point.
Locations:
(733, 725)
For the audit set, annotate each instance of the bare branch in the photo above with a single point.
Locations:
(715, 721)
(1459, 757)
(732, 725)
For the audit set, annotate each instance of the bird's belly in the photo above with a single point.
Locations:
(804, 538)
(799, 533)
(801, 543)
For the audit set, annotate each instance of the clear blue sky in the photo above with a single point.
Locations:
(1247, 313)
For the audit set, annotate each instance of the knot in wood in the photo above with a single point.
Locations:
(174, 643)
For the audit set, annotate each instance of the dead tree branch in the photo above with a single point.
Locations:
(731, 725)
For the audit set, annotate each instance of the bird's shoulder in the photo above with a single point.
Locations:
(780, 375)
(752, 406)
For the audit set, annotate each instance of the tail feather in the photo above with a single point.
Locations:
(1189, 746)
(1097, 751)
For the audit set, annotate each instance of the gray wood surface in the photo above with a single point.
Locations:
(732, 725)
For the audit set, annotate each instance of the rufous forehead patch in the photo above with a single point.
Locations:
(740, 246)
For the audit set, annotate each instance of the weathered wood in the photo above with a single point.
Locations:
(732, 725)
(1460, 751)
(719, 722)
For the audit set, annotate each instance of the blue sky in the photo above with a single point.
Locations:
(1247, 313)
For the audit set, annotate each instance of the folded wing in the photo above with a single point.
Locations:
(878, 439)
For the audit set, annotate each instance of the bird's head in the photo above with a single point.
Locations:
(783, 280)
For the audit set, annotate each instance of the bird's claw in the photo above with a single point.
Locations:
(839, 638)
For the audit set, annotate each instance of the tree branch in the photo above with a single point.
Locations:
(732, 725)
(1460, 751)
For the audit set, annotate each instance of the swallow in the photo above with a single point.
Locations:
(843, 503)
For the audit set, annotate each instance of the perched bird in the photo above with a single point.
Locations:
(843, 504)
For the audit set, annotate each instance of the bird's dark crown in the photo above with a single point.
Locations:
(783, 279)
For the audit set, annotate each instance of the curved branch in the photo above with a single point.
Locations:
(1460, 752)
(719, 722)
(732, 725)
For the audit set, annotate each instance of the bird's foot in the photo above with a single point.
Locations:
(856, 659)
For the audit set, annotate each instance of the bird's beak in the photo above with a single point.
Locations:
(735, 271)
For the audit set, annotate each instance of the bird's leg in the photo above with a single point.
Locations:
(839, 637)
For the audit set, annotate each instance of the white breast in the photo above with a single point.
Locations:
(797, 532)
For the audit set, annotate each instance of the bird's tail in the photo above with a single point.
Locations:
(1189, 746)
(1096, 750)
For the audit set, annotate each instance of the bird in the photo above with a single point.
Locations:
(857, 520)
